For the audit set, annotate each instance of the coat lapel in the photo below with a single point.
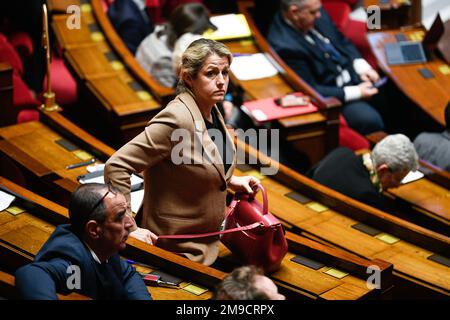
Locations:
(202, 134)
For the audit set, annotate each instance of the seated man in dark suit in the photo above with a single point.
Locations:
(82, 257)
(304, 36)
(435, 147)
(131, 22)
(365, 177)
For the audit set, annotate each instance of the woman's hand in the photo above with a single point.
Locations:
(144, 235)
(243, 184)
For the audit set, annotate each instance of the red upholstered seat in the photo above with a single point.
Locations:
(63, 84)
(21, 41)
(9, 54)
(355, 31)
(339, 12)
(350, 138)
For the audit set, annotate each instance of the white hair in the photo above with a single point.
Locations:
(397, 151)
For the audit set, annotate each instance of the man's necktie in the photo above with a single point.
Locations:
(327, 48)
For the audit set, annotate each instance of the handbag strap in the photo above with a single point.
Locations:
(210, 234)
(265, 201)
(230, 211)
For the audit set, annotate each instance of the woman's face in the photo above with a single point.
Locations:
(211, 83)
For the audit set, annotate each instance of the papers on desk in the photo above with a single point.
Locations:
(137, 186)
(229, 26)
(412, 176)
(5, 200)
(252, 66)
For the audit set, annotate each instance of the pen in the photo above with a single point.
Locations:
(80, 164)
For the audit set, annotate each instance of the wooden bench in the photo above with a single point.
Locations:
(22, 236)
(51, 178)
(8, 289)
(420, 256)
(111, 91)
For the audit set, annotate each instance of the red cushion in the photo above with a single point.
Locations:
(350, 2)
(9, 54)
(23, 44)
(63, 84)
(339, 12)
(356, 32)
(22, 96)
(28, 115)
(350, 138)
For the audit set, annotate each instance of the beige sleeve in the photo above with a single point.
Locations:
(144, 151)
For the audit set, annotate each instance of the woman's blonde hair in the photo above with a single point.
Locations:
(195, 56)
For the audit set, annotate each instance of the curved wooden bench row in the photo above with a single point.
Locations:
(313, 134)
(425, 201)
(58, 183)
(8, 289)
(23, 235)
(332, 218)
(111, 91)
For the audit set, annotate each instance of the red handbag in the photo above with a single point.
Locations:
(265, 245)
(251, 233)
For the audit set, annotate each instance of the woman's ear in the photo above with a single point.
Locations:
(93, 229)
(186, 79)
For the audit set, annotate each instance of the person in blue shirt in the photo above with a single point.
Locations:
(82, 257)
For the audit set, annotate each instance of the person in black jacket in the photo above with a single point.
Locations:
(82, 257)
(365, 177)
(131, 21)
(304, 36)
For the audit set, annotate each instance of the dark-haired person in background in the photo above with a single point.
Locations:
(82, 257)
(435, 147)
(131, 21)
(160, 52)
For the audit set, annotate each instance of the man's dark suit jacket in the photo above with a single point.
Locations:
(129, 23)
(311, 64)
(345, 172)
(49, 272)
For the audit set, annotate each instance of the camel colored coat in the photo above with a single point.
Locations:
(186, 198)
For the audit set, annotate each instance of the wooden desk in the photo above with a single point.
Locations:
(28, 231)
(415, 275)
(108, 88)
(397, 13)
(431, 95)
(161, 93)
(23, 235)
(51, 175)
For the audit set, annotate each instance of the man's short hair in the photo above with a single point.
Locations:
(82, 203)
(286, 3)
(397, 151)
(240, 285)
